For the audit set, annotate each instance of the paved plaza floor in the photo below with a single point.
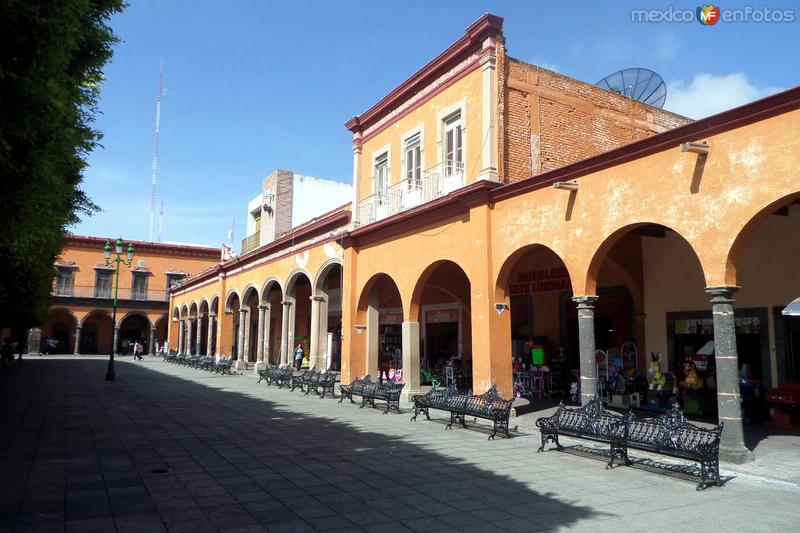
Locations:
(168, 448)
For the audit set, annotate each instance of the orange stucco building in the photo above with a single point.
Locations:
(497, 203)
(80, 316)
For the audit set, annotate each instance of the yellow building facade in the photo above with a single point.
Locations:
(498, 206)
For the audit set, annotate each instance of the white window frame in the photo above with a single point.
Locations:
(419, 132)
(385, 151)
(441, 117)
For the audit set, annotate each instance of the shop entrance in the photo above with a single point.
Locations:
(441, 344)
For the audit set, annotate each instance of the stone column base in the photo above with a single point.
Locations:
(735, 456)
(406, 395)
(259, 366)
(240, 365)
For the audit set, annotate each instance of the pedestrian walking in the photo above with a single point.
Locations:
(298, 356)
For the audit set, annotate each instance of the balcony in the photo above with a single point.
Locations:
(436, 182)
(106, 293)
(251, 242)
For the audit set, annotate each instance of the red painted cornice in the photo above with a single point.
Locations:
(486, 26)
(84, 241)
(737, 117)
(332, 219)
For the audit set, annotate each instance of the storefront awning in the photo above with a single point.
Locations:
(793, 309)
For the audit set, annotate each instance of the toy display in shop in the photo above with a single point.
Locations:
(698, 387)
(785, 410)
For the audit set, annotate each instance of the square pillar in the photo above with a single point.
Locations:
(263, 313)
(410, 346)
(287, 305)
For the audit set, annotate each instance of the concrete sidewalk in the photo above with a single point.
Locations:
(178, 449)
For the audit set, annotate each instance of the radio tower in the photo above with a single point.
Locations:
(161, 221)
(155, 153)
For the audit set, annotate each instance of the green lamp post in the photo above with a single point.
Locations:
(110, 375)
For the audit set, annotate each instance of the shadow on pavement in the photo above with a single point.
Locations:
(154, 452)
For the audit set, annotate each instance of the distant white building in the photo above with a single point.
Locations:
(288, 200)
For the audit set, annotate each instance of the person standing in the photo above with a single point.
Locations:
(298, 356)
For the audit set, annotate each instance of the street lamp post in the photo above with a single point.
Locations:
(110, 375)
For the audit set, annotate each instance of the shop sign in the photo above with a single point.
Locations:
(705, 326)
(544, 280)
(440, 316)
(385, 319)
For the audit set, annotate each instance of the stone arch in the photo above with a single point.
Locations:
(214, 305)
(193, 310)
(422, 281)
(61, 327)
(248, 291)
(364, 348)
(746, 232)
(93, 313)
(128, 333)
(231, 297)
(589, 285)
(176, 314)
(322, 273)
(268, 285)
(136, 313)
(503, 276)
(184, 312)
(293, 277)
(96, 332)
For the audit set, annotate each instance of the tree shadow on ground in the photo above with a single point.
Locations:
(154, 452)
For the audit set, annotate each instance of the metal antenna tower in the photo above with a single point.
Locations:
(154, 168)
(161, 221)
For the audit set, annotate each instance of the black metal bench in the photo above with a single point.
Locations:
(672, 435)
(668, 434)
(356, 388)
(327, 384)
(302, 380)
(207, 363)
(387, 391)
(461, 405)
(223, 366)
(590, 421)
(276, 375)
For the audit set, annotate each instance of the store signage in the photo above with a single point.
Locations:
(547, 279)
(385, 319)
(440, 316)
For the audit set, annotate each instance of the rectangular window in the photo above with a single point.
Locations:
(453, 144)
(174, 279)
(413, 162)
(139, 286)
(65, 282)
(381, 174)
(102, 284)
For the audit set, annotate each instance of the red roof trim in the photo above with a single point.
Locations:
(99, 242)
(486, 26)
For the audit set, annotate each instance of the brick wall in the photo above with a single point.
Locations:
(275, 224)
(552, 120)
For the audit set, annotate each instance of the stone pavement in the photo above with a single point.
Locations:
(167, 448)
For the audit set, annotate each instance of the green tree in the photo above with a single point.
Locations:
(51, 65)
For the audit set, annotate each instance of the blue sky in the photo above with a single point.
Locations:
(252, 86)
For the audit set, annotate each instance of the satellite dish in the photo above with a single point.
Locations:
(639, 84)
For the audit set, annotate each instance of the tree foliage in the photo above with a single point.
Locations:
(51, 65)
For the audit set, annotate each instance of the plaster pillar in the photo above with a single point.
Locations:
(115, 340)
(586, 305)
(34, 340)
(152, 350)
(410, 346)
(285, 333)
(488, 118)
(244, 339)
(198, 340)
(729, 406)
(179, 347)
(356, 178)
(187, 337)
(210, 340)
(373, 336)
(314, 351)
(76, 351)
(262, 316)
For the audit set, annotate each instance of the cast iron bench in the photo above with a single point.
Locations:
(275, 375)
(672, 435)
(301, 380)
(356, 388)
(590, 421)
(387, 391)
(668, 434)
(489, 406)
(207, 363)
(223, 366)
(327, 384)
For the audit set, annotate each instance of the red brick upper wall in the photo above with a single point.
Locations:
(552, 120)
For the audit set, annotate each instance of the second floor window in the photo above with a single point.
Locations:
(413, 162)
(173, 279)
(381, 174)
(102, 284)
(453, 144)
(65, 282)
(139, 286)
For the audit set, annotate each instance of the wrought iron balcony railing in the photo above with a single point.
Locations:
(436, 182)
(251, 242)
(106, 293)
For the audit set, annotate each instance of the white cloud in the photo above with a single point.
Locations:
(708, 94)
(667, 46)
